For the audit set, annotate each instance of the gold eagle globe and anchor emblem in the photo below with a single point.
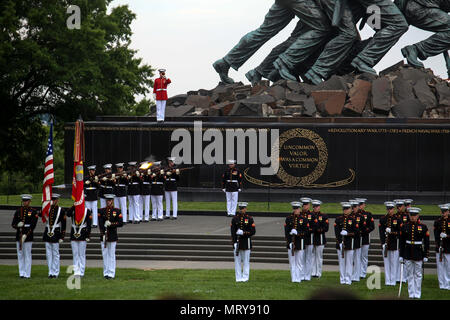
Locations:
(310, 158)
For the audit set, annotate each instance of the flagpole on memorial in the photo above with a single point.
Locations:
(78, 174)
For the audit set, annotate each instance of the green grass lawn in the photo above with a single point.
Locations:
(190, 284)
(221, 206)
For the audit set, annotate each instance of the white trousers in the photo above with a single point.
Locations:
(345, 266)
(296, 264)
(242, 265)
(52, 253)
(121, 203)
(172, 195)
(102, 203)
(317, 261)
(79, 257)
(356, 265)
(232, 200)
(443, 271)
(160, 109)
(414, 274)
(146, 204)
(93, 205)
(364, 259)
(391, 268)
(307, 263)
(157, 207)
(25, 259)
(109, 259)
(135, 208)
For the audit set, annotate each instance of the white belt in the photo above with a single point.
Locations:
(84, 225)
(161, 89)
(232, 181)
(171, 179)
(413, 242)
(145, 182)
(157, 183)
(91, 188)
(27, 225)
(135, 183)
(121, 185)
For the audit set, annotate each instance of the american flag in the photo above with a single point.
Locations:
(48, 177)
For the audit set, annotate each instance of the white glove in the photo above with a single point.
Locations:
(20, 224)
(60, 241)
(129, 177)
(290, 246)
(293, 232)
(340, 246)
(223, 190)
(88, 182)
(104, 238)
(149, 171)
(239, 232)
(96, 179)
(137, 174)
(235, 246)
(154, 96)
(87, 239)
(344, 233)
(443, 235)
(107, 223)
(239, 190)
(177, 171)
(388, 230)
(425, 259)
(24, 237)
(113, 176)
(400, 260)
(104, 179)
(169, 173)
(161, 172)
(153, 175)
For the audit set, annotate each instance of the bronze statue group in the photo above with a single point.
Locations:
(326, 40)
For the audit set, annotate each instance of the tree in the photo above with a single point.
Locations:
(47, 68)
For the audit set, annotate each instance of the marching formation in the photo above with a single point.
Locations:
(405, 239)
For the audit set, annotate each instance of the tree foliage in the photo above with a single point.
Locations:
(48, 69)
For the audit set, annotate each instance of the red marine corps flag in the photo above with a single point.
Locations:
(49, 178)
(77, 181)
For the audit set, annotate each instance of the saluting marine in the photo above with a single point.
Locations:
(120, 180)
(389, 229)
(346, 228)
(414, 249)
(110, 219)
(366, 227)
(157, 192)
(80, 234)
(308, 257)
(134, 194)
(231, 185)
(319, 238)
(357, 241)
(91, 191)
(170, 188)
(296, 231)
(442, 238)
(24, 221)
(242, 230)
(54, 233)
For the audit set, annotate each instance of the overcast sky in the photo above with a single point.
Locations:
(187, 36)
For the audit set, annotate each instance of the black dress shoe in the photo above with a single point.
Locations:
(125, 223)
(145, 221)
(94, 227)
(107, 277)
(166, 217)
(152, 219)
(21, 277)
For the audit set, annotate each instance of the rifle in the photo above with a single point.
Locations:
(344, 228)
(387, 238)
(337, 13)
(441, 249)
(21, 228)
